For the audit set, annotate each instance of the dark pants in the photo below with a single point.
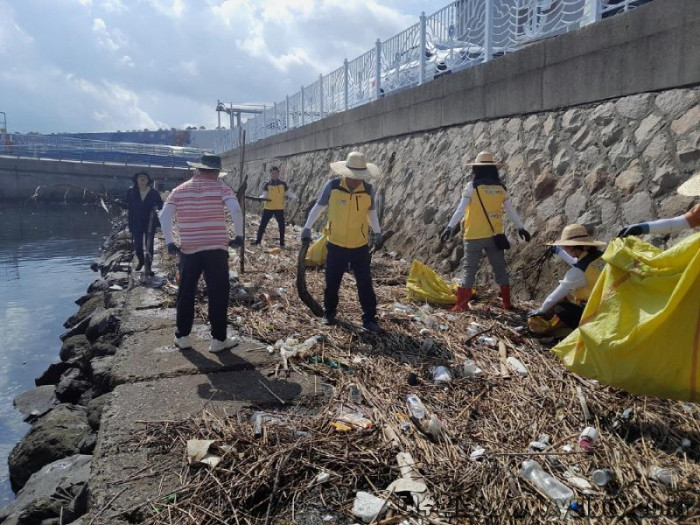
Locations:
(569, 313)
(140, 239)
(266, 216)
(214, 264)
(338, 261)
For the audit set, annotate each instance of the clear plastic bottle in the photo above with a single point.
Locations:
(442, 374)
(532, 472)
(354, 394)
(415, 406)
(488, 341)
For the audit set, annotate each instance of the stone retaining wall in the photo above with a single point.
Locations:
(605, 165)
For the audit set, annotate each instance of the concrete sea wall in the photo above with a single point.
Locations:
(598, 126)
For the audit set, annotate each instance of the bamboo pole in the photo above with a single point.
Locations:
(241, 197)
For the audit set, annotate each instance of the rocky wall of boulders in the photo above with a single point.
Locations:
(604, 165)
(50, 466)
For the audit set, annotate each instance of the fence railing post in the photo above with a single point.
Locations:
(320, 95)
(286, 108)
(423, 42)
(346, 82)
(303, 108)
(592, 12)
(378, 70)
(488, 30)
(277, 123)
(264, 122)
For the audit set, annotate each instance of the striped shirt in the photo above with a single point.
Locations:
(199, 207)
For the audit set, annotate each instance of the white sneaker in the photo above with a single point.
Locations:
(183, 342)
(218, 346)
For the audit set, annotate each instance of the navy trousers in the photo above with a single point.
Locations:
(340, 260)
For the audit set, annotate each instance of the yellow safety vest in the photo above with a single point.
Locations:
(592, 265)
(348, 224)
(275, 194)
(475, 224)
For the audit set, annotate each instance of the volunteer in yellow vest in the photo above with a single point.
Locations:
(580, 251)
(481, 210)
(351, 212)
(689, 220)
(275, 192)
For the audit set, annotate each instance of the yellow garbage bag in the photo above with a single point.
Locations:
(425, 285)
(640, 330)
(316, 255)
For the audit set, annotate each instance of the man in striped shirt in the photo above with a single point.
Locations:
(199, 205)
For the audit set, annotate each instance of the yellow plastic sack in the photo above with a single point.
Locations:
(316, 255)
(640, 330)
(425, 285)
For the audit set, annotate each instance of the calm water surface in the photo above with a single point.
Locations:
(45, 256)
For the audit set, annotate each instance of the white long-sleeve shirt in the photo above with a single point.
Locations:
(466, 199)
(573, 279)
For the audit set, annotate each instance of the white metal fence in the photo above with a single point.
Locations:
(460, 35)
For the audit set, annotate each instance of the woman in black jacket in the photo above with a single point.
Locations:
(142, 200)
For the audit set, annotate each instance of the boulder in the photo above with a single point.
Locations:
(684, 124)
(75, 348)
(630, 178)
(55, 436)
(72, 385)
(78, 329)
(37, 499)
(101, 348)
(95, 409)
(102, 323)
(86, 310)
(53, 374)
(98, 285)
(675, 101)
(544, 185)
(638, 209)
(37, 401)
(101, 374)
(633, 107)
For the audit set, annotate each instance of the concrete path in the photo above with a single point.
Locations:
(155, 381)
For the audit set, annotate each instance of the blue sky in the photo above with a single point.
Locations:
(104, 65)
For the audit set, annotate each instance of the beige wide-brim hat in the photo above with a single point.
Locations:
(691, 187)
(575, 235)
(485, 158)
(356, 167)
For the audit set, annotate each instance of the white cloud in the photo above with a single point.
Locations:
(167, 62)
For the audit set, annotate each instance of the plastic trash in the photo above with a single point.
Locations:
(470, 368)
(537, 445)
(588, 439)
(354, 394)
(434, 427)
(442, 375)
(665, 476)
(477, 453)
(473, 328)
(532, 472)
(577, 481)
(487, 341)
(603, 476)
(355, 419)
(516, 366)
(424, 331)
(415, 407)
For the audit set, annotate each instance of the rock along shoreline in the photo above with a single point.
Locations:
(50, 466)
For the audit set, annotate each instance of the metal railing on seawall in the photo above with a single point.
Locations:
(462, 34)
(60, 148)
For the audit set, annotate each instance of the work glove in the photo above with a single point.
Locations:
(535, 313)
(306, 234)
(524, 234)
(551, 251)
(634, 229)
(377, 238)
(446, 233)
(173, 249)
(237, 242)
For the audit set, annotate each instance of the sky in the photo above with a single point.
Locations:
(108, 65)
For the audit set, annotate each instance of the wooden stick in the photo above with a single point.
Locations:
(271, 392)
(241, 198)
(584, 405)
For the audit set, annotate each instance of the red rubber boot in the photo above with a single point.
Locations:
(463, 297)
(505, 296)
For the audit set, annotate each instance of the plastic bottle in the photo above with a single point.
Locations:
(415, 406)
(532, 472)
(441, 374)
(488, 341)
(665, 476)
(602, 477)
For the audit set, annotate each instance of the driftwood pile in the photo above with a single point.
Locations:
(304, 462)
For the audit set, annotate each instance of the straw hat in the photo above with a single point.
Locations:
(575, 235)
(691, 187)
(485, 158)
(356, 167)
